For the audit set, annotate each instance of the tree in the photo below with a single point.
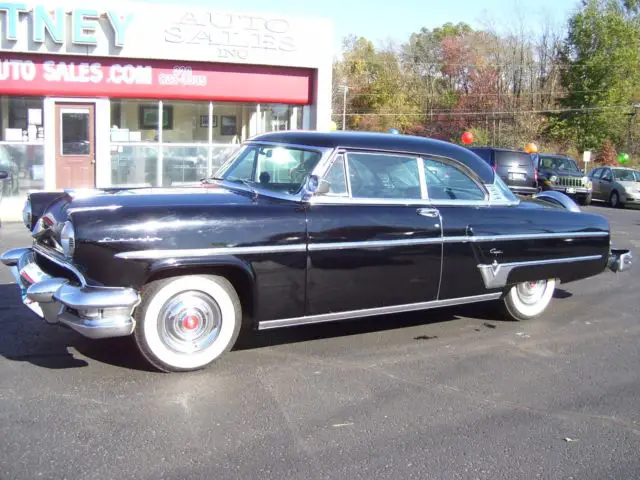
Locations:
(601, 74)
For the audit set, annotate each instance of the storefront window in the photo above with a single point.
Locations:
(22, 144)
(187, 141)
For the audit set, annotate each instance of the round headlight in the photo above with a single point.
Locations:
(27, 214)
(68, 239)
(553, 179)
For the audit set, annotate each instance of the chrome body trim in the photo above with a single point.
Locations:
(301, 247)
(61, 261)
(95, 312)
(370, 312)
(496, 275)
(210, 252)
(620, 260)
(523, 236)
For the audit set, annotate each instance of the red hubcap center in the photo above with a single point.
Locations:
(190, 322)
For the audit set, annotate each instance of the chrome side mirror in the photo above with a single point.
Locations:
(318, 186)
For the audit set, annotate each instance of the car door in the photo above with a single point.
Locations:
(373, 240)
(606, 184)
(461, 200)
(594, 176)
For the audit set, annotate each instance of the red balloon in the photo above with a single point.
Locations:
(467, 138)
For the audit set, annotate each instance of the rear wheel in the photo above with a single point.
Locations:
(528, 300)
(186, 323)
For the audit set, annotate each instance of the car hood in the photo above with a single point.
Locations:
(562, 173)
(51, 210)
(629, 185)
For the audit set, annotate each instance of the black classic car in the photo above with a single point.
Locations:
(298, 228)
(562, 174)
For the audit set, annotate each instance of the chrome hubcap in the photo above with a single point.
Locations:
(190, 322)
(530, 293)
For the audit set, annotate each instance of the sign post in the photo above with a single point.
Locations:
(586, 158)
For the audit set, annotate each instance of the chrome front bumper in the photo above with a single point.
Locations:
(620, 260)
(95, 312)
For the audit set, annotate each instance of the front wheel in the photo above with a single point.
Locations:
(585, 201)
(186, 323)
(614, 200)
(528, 300)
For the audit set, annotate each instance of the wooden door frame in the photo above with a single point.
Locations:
(102, 133)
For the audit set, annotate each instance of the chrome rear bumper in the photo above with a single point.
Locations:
(95, 312)
(620, 259)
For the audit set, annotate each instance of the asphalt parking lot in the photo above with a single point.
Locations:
(453, 393)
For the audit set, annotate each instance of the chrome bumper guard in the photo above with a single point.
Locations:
(620, 260)
(95, 312)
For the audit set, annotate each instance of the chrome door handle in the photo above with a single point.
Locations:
(429, 212)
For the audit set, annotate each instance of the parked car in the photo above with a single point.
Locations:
(4, 175)
(300, 228)
(11, 185)
(515, 167)
(561, 173)
(617, 185)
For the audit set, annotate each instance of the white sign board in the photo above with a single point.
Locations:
(586, 156)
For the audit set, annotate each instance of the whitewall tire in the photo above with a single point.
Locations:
(528, 300)
(186, 323)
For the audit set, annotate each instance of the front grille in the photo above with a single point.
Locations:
(569, 182)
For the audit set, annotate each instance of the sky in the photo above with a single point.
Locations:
(397, 19)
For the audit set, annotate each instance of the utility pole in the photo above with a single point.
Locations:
(632, 115)
(344, 106)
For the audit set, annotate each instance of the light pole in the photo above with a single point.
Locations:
(344, 106)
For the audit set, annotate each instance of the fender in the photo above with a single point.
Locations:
(558, 198)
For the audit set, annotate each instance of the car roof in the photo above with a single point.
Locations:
(556, 155)
(381, 141)
(498, 149)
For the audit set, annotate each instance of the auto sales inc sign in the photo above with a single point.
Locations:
(136, 31)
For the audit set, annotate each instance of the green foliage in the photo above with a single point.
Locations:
(601, 55)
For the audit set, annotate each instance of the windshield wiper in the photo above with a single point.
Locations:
(247, 183)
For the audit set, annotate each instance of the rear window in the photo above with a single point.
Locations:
(483, 153)
(520, 159)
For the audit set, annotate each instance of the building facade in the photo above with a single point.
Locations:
(148, 95)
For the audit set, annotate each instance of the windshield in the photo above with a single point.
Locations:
(273, 167)
(627, 175)
(558, 163)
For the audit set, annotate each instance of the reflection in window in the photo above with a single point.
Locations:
(75, 127)
(192, 141)
(282, 169)
(337, 177)
(383, 176)
(447, 182)
(133, 165)
(22, 148)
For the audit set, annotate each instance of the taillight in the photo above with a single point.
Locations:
(535, 174)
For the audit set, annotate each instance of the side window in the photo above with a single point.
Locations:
(596, 173)
(606, 174)
(337, 177)
(383, 176)
(447, 182)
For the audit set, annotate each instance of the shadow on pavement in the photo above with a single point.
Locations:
(27, 338)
